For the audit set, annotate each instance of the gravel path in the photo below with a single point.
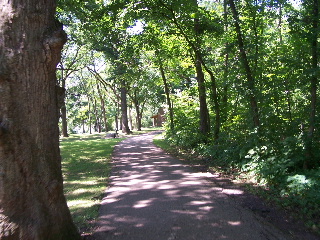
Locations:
(153, 196)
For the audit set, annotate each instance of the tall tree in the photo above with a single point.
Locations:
(204, 113)
(314, 33)
(103, 108)
(32, 204)
(167, 92)
(66, 67)
(247, 68)
(190, 28)
(124, 108)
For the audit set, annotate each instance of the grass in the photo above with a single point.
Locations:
(159, 141)
(86, 167)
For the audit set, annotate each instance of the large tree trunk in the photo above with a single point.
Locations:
(245, 62)
(32, 204)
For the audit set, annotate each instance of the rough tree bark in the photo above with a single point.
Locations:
(32, 204)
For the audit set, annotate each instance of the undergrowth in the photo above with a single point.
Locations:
(274, 168)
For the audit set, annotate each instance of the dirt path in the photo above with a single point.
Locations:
(153, 196)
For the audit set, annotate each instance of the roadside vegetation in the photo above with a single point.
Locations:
(272, 177)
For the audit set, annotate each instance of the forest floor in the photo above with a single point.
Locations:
(152, 195)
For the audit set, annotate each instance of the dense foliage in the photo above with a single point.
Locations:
(238, 79)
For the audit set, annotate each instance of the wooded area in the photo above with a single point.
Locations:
(238, 81)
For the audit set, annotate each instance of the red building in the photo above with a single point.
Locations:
(159, 118)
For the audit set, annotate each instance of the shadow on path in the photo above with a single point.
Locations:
(153, 196)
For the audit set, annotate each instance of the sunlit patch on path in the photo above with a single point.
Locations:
(154, 196)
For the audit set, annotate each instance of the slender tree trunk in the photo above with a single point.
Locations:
(83, 126)
(141, 108)
(32, 204)
(97, 118)
(63, 109)
(224, 103)
(253, 13)
(216, 106)
(116, 122)
(103, 109)
(138, 117)
(167, 92)
(287, 88)
(314, 83)
(64, 121)
(245, 62)
(117, 117)
(89, 113)
(124, 109)
(288, 97)
(138, 112)
(204, 113)
(196, 47)
(130, 118)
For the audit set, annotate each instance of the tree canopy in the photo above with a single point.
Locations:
(238, 79)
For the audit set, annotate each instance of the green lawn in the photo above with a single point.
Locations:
(86, 167)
